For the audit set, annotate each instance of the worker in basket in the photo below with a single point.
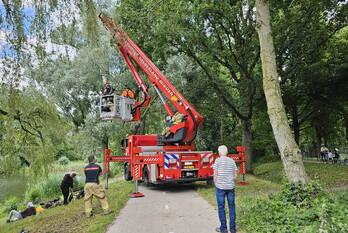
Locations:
(107, 88)
(107, 100)
(128, 93)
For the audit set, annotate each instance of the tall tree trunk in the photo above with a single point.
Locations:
(221, 129)
(318, 139)
(246, 141)
(245, 109)
(295, 124)
(346, 126)
(104, 144)
(289, 150)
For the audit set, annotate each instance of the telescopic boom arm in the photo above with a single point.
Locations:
(132, 54)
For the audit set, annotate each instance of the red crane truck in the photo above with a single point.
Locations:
(157, 158)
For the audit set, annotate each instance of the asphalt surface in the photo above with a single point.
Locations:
(166, 209)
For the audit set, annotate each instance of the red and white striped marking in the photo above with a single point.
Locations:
(149, 160)
(210, 156)
(136, 171)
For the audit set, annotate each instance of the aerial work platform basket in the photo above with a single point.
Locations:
(116, 107)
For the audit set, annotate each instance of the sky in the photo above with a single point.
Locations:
(28, 11)
(6, 29)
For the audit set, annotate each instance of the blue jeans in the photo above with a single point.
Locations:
(220, 198)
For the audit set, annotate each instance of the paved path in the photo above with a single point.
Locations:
(166, 209)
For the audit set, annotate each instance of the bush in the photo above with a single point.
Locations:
(48, 187)
(44, 188)
(63, 160)
(297, 208)
(11, 203)
(67, 150)
(301, 195)
(33, 194)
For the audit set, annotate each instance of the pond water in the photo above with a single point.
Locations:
(12, 186)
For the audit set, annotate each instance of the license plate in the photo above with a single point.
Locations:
(189, 167)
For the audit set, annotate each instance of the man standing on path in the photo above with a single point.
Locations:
(225, 174)
(66, 185)
(93, 188)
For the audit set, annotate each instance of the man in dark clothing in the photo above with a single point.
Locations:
(20, 215)
(66, 185)
(93, 188)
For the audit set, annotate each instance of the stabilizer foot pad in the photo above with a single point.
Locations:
(243, 183)
(136, 195)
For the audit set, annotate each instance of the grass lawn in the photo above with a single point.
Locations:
(71, 218)
(245, 194)
(328, 175)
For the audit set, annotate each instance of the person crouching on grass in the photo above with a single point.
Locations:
(93, 188)
(225, 174)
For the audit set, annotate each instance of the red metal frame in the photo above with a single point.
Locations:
(165, 170)
(138, 161)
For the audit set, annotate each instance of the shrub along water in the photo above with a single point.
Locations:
(63, 160)
(11, 203)
(298, 208)
(47, 188)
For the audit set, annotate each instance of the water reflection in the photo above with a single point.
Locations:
(12, 186)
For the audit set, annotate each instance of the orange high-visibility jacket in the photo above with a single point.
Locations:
(128, 94)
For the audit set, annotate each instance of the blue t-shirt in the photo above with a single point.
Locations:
(92, 172)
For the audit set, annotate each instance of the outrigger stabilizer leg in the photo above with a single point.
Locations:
(243, 182)
(136, 192)
(106, 180)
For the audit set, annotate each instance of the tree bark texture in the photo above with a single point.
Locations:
(295, 124)
(346, 126)
(246, 141)
(104, 144)
(245, 109)
(289, 150)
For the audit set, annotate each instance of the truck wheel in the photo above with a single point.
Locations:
(210, 182)
(127, 172)
(146, 176)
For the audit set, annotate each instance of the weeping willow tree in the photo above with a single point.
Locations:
(27, 27)
(30, 131)
(35, 33)
(59, 49)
